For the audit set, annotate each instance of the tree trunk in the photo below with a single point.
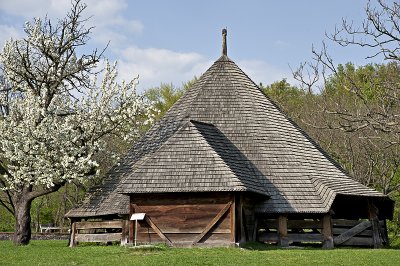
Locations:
(22, 234)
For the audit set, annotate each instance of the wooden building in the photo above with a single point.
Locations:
(225, 165)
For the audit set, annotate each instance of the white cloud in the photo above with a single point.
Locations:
(7, 32)
(155, 66)
(261, 71)
(110, 24)
(55, 8)
(105, 15)
(29, 9)
(282, 44)
(115, 30)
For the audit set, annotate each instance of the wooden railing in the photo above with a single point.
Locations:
(298, 231)
(99, 231)
(344, 232)
(358, 233)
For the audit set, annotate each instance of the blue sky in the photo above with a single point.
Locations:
(173, 41)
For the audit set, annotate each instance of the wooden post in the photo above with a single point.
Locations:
(242, 221)
(384, 232)
(131, 223)
(375, 233)
(283, 231)
(327, 231)
(125, 231)
(255, 229)
(233, 220)
(373, 217)
(135, 233)
(72, 242)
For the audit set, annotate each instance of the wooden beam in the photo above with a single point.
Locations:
(268, 237)
(157, 230)
(125, 232)
(292, 224)
(255, 229)
(108, 237)
(131, 224)
(366, 232)
(98, 225)
(383, 232)
(181, 231)
(359, 241)
(376, 237)
(242, 221)
(327, 232)
(373, 217)
(305, 237)
(154, 226)
(344, 223)
(299, 237)
(233, 220)
(212, 223)
(351, 232)
(283, 231)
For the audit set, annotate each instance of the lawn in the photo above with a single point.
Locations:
(56, 252)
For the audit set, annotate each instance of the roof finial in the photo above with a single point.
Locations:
(224, 48)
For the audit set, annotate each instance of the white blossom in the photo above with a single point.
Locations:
(58, 109)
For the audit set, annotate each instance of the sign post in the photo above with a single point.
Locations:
(137, 217)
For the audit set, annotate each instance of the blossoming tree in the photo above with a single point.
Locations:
(55, 111)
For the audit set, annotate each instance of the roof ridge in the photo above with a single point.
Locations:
(148, 156)
(251, 170)
(233, 179)
(206, 81)
(328, 203)
(201, 122)
(215, 153)
(312, 141)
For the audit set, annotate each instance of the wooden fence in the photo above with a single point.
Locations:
(342, 232)
(99, 231)
(297, 231)
(359, 233)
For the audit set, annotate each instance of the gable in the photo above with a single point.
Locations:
(196, 158)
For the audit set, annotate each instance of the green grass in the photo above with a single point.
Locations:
(57, 253)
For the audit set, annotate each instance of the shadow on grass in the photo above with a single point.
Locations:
(395, 245)
(259, 246)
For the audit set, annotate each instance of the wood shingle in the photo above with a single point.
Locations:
(225, 134)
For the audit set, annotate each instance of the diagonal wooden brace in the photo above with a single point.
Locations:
(154, 227)
(351, 232)
(212, 223)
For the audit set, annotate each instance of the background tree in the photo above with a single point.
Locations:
(164, 96)
(378, 99)
(56, 112)
(361, 105)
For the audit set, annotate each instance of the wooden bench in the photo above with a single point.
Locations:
(44, 228)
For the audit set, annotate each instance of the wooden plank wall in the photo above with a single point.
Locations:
(183, 217)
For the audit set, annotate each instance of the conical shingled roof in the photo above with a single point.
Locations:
(287, 165)
(294, 171)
